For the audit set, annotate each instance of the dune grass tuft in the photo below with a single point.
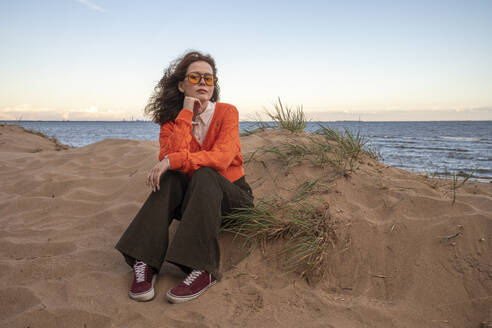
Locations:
(457, 183)
(348, 147)
(310, 188)
(58, 145)
(304, 226)
(256, 223)
(289, 153)
(328, 148)
(288, 118)
(449, 181)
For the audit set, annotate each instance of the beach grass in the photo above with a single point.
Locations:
(449, 181)
(288, 118)
(329, 148)
(289, 153)
(302, 220)
(457, 182)
(305, 227)
(310, 188)
(54, 140)
(339, 149)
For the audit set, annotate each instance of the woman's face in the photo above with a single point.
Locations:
(201, 91)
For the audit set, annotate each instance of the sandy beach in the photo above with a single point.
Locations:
(409, 252)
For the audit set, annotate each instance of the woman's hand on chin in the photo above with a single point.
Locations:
(155, 175)
(193, 104)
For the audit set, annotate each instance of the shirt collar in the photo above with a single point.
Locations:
(206, 115)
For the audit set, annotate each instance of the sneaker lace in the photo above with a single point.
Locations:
(192, 276)
(139, 268)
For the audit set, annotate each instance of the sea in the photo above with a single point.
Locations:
(442, 148)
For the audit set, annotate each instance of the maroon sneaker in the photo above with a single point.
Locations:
(143, 282)
(193, 286)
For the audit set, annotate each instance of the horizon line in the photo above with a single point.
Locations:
(248, 121)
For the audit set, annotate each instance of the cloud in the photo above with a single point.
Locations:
(92, 6)
(96, 113)
(432, 114)
(92, 113)
(487, 109)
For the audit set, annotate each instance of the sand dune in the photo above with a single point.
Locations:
(405, 256)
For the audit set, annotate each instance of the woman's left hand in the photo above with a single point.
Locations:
(155, 174)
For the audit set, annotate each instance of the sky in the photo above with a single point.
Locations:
(341, 60)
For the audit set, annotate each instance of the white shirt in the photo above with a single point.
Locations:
(201, 123)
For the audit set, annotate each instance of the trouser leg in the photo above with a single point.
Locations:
(209, 195)
(146, 238)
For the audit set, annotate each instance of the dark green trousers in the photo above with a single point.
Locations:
(198, 202)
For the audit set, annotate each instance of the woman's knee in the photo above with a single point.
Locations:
(171, 177)
(170, 174)
(205, 170)
(204, 173)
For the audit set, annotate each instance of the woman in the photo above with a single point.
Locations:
(198, 178)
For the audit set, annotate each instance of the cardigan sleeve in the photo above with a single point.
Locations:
(226, 147)
(176, 137)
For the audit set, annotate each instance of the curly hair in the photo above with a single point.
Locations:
(167, 101)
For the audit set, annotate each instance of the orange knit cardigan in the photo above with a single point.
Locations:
(221, 148)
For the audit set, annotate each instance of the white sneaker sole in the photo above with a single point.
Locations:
(181, 299)
(145, 296)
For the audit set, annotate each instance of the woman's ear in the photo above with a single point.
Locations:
(180, 87)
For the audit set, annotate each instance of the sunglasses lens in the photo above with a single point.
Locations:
(194, 78)
(209, 79)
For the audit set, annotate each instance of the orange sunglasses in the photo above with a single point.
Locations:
(195, 78)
